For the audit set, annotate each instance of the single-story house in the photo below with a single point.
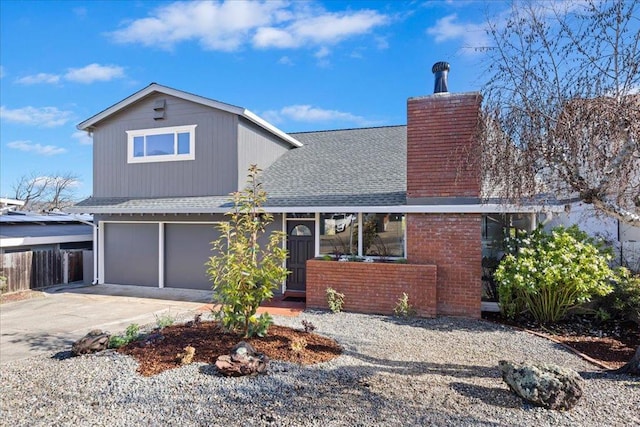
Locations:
(166, 160)
(43, 249)
(34, 231)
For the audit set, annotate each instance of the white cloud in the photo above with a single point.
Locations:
(285, 60)
(274, 37)
(449, 28)
(80, 12)
(94, 72)
(228, 25)
(308, 113)
(39, 78)
(323, 28)
(382, 43)
(82, 137)
(88, 74)
(30, 147)
(45, 116)
(323, 52)
(216, 25)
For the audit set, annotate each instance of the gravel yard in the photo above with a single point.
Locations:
(427, 372)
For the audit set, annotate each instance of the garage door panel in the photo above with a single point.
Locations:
(131, 254)
(187, 249)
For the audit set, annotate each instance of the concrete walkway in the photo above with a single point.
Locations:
(52, 323)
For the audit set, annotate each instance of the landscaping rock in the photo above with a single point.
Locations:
(186, 357)
(243, 360)
(93, 342)
(549, 386)
(195, 322)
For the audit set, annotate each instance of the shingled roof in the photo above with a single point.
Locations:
(351, 167)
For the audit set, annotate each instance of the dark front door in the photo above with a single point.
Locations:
(301, 245)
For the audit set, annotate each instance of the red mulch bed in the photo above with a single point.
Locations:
(158, 352)
(611, 344)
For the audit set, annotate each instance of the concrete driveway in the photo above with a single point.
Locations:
(52, 323)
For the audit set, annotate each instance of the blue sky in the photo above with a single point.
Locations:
(300, 65)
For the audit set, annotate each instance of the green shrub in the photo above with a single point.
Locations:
(552, 273)
(243, 273)
(624, 302)
(259, 326)
(164, 321)
(335, 300)
(403, 308)
(131, 334)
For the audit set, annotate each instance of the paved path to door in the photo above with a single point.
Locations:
(52, 323)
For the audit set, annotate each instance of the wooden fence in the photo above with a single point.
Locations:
(39, 269)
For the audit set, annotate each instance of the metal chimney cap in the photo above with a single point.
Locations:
(440, 71)
(440, 66)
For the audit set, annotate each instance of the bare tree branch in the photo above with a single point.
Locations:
(562, 105)
(45, 192)
(30, 189)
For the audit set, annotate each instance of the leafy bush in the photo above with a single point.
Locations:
(551, 273)
(259, 325)
(403, 308)
(131, 334)
(624, 302)
(164, 321)
(243, 273)
(335, 300)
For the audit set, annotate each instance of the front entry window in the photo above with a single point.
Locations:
(339, 234)
(383, 235)
(301, 230)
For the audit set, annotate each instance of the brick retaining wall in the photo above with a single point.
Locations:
(372, 287)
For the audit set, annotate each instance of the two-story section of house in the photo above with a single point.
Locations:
(164, 164)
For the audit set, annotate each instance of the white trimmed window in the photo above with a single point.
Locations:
(161, 144)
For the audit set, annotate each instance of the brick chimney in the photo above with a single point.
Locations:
(442, 169)
(442, 145)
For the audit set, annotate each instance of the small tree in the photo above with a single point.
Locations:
(244, 274)
(551, 273)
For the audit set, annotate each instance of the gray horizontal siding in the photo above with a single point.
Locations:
(213, 172)
(256, 146)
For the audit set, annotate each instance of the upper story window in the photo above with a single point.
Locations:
(161, 144)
